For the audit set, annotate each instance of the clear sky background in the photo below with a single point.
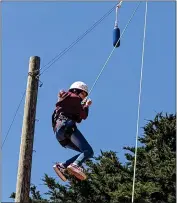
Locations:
(45, 29)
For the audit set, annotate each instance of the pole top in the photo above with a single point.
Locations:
(34, 63)
(34, 58)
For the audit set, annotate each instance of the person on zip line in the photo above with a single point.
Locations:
(71, 108)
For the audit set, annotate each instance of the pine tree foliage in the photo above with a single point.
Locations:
(110, 181)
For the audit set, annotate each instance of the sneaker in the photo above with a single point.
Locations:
(76, 171)
(60, 169)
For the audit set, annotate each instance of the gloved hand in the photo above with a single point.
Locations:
(88, 102)
(61, 93)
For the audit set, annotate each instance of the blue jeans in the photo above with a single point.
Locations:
(72, 138)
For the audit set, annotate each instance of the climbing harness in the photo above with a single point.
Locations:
(58, 116)
(67, 125)
(116, 30)
(139, 102)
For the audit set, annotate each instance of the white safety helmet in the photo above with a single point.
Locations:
(79, 85)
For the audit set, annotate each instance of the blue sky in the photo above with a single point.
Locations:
(45, 29)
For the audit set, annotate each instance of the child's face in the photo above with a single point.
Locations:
(83, 95)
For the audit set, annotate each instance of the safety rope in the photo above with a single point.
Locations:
(114, 48)
(139, 103)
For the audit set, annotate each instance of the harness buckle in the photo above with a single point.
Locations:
(62, 117)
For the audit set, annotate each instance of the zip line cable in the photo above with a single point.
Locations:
(57, 58)
(13, 120)
(77, 40)
(139, 103)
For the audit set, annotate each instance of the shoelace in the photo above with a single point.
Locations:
(79, 168)
(60, 166)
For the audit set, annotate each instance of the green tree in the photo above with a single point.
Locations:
(156, 171)
(110, 181)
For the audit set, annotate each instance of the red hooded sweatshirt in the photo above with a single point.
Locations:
(69, 104)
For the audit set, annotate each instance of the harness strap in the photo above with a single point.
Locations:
(117, 7)
(55, 117)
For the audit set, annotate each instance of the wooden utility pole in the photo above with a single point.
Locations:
(27, 136)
